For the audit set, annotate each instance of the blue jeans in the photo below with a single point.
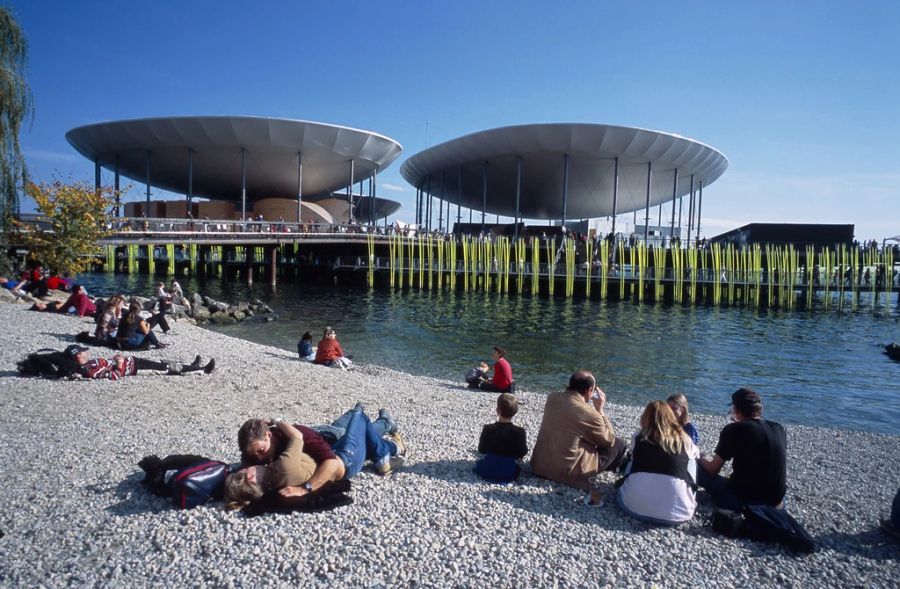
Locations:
(643, 518)
(361, 442)
(334, 432)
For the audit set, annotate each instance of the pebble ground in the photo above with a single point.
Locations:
(72, 511)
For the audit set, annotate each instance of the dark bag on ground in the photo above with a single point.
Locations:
(195, 481)
(326, 498)
(48, 363)
(764, 523)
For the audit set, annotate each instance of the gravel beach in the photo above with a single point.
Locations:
(74, 514)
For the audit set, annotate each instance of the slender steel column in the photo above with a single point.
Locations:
(373, 186)
(299, 186)
(441, 206)
(459, 197)
(615, 197)
(190, 192)
(116, 183)
(699, 208)
(691, 211)
(518, 195)
(483, 192)
(418, 204)
(350, 194)
(647, 207)
(680, 207)
(243, 185)
(428, 204)
(565, 193)
(148, 181)
(97, 175)
(674, 196)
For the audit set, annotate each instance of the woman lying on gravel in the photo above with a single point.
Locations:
(342, 458)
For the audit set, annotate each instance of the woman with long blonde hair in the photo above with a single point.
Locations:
(678, 403)
(660, 481)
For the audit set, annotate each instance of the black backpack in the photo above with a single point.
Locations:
(764, 523)
(48, 363)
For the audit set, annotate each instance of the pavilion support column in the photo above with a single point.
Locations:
(518, 196)
(691, 212)
(484, 166)
(615, 195)
(372, 199)
(428, 204)
(97, 175)
(190, 192)
(565, 190)
(273, 265)
(116, 185)
(441, 205)
(680, 207)
(459, 197)
(350, 193)
(699, 208)
(299, 187)
(674, 196)
(647, 206)
(244, 194)
(148, 181)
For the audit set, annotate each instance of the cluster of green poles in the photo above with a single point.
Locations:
(720, 274)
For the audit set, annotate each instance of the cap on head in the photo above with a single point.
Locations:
(74, 350)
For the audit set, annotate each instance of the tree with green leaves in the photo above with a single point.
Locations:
(75, 218)
(15, 107)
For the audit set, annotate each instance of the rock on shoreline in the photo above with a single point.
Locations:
(74, 513)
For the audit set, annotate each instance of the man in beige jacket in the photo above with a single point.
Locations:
(576, 439)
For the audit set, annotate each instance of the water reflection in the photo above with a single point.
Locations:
(819, 369)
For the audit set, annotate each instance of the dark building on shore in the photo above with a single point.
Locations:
(799, 235)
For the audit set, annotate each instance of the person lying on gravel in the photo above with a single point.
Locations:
(659, 481)
(78, 303)
(758, 449)
(292, 468)
(120, 366)
(259, 444)
(576, 439)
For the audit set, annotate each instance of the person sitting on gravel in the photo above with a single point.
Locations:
(891, 525)
(136, 332)
(330, 353)
(678, 403)
(502, 382)
(343, 459)
(661, 476)
(291, 468)
(758, 449)
(475, 375)
(305, 348)
(576, 439)
(108, 322)
(503, 444)
(120, 366)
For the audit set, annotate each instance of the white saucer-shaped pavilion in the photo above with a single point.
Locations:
(563, 170)
(235, 158)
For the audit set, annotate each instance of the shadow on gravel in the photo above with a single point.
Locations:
(455, 471)
(133, 497)
(63, 337)
(283, 356)
(872, 544)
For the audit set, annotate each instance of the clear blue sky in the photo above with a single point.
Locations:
(802, 97)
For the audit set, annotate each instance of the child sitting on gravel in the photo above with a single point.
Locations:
(474, 376)
(502, 443)
(305, 348)
(679, 406)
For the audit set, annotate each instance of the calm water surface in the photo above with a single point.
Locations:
(824, 368)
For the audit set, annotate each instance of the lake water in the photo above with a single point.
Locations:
(823, 368)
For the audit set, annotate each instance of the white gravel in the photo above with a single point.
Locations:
(74, 514)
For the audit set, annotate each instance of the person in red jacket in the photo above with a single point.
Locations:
(329, 351)
(503, 377)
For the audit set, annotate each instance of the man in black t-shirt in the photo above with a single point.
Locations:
(758, 449)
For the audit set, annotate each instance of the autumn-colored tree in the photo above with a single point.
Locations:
(76, 218)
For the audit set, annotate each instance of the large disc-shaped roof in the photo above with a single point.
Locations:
(591, 149)
(270, 153)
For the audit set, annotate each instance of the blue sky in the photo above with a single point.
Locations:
(802, 97)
